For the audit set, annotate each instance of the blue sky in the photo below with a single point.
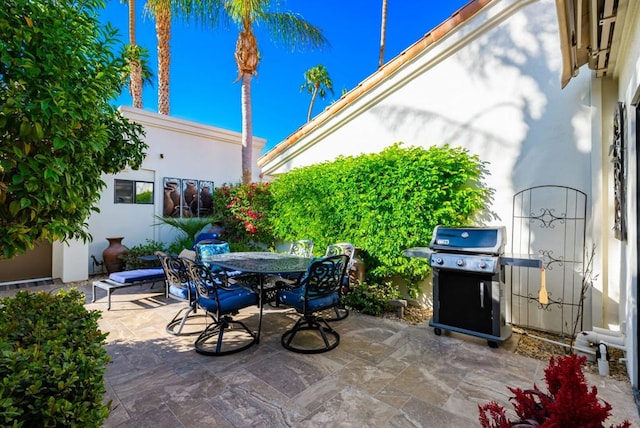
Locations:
(203, 70)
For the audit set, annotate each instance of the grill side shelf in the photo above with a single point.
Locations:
(421, 252)
(522, 260)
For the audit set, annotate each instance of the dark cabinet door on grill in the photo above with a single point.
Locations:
(465, 301)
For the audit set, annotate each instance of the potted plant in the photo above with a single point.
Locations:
(569, 401)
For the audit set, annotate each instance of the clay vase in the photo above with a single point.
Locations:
(110, 256)
(190, 193)
(168, 205)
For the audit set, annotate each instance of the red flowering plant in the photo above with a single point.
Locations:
(244, 208)
(568, 403)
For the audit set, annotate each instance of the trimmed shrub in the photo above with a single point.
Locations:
(52, 361)
(383, 203)
(371, 299)
(132, 261)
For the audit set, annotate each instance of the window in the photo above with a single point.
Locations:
(133, 192)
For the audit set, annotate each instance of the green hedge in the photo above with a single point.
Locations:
(52, 361)
(383, 203)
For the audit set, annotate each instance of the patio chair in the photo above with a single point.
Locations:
(178, 287)
(223, 335)
(316, 291)
(303, 248)
(349, 250)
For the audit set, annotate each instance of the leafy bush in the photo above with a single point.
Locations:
(245, 210)
(383, 203)
(131, 258)
(569, 402)
(371, 299)
(52, 361)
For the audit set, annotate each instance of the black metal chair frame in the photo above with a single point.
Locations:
(323, 278)
(207, 284)
(302, 247)
(175, 274)
(347, 248)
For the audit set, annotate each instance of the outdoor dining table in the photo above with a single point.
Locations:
(262, 264)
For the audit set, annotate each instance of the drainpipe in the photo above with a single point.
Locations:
(600, 336)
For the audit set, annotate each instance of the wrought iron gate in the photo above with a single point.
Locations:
(550, 221)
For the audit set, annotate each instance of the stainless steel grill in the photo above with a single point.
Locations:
(468, 280)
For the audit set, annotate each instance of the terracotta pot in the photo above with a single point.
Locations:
(110, 256)
(190, 193)
(168, 205)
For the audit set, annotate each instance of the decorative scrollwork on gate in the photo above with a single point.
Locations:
(548, 217)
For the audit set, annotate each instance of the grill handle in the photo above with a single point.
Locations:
(481, 295)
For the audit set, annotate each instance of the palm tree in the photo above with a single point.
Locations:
(135, 82)
(287, 27)
(383, 33)
(318, 82)
(161, 10)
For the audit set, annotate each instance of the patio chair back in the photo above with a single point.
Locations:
(303, 248)
(220, 300)
(347, 248)
(342, 248)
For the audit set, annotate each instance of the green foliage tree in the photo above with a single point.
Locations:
(317, 83)
(286, 27)
(59, 68)
(383, 203)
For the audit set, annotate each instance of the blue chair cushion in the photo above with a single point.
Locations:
(181, 292)
(205, 251)
(201, 236)
(129, 276)
(230, 300)
(295, 299)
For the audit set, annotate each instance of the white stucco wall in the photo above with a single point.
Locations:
(627, 73)
(177, 148)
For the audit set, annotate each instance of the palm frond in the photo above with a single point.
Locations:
(189, 227)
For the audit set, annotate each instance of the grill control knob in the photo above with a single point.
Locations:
(482, 265)
(460, 262)
(439, 260)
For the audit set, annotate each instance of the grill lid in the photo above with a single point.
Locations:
(481, 240)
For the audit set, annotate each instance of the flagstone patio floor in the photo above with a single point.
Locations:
(384, 373)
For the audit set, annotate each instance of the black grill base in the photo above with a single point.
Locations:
(470, 303)
(492, 340)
